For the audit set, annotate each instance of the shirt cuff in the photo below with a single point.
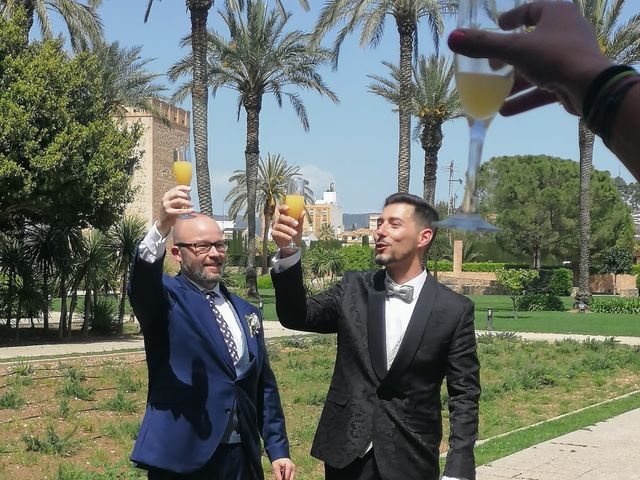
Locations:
(282, 264)
(451, 478)
(153, 245)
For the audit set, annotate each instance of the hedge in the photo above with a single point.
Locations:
(615, 305)
(491, 266)
(539, 303)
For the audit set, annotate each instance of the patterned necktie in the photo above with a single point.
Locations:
(224, 328)
(404, 292)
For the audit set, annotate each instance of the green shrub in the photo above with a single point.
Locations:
(560, 281)
(11, 399)
(539, 303)
(120, 402)
(105, 318)
(265, 282)
(615, 305)
(357, 257)
(52, 443)
(443, 265)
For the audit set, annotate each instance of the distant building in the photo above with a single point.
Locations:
(154, 175)
(325, 211)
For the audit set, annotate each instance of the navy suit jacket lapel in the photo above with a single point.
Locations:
(415, 331)
(376, 335)
(201, 311)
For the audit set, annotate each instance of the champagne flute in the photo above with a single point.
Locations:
(483, 84)
(294, 199)
(182, 167)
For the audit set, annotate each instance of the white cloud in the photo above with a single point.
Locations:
(319, 179)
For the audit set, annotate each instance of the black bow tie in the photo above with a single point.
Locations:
(404, 292)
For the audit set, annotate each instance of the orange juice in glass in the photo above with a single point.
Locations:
(182, 168)
(295, 201)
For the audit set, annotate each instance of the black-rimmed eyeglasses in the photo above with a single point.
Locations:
(201, 248)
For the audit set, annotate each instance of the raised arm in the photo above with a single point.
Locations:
(559, 60)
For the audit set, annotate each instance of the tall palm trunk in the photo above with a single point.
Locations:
(123, 297)
(10, 294)
(253, 105)
(406, 29)
(199, 11)
(45, 292)
(586, 138)
(268, 215)
(87, 312)
(63, 308)
(431, 140)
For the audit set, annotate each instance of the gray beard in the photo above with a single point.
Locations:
(202, 278)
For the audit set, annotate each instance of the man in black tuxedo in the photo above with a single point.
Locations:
(400, 333)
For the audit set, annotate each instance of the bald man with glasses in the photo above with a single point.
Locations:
(212, 395)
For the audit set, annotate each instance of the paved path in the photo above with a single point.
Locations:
(608, 450)
(272, 329)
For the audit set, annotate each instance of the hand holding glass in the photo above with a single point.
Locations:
(483, 84)
(295, 201)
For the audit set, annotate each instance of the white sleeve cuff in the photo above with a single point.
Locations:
(153, 245)
(282, 264)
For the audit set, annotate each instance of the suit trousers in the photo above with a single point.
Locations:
(364, 468)
(228, 462)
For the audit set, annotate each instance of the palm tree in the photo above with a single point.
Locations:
(327, 232)
(125, 79)
(371, 15)
(43, 248)
(92, 269)
(123, 239)
(273, 176)
(435, 101)
(621, 43)
(199, 13)
(259, 58)
(82, 21)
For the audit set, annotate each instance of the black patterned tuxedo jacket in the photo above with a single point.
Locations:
(398, 409)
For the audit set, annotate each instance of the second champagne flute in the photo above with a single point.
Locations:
(295, 201)
(483, 84)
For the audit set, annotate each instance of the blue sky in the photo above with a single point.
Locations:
(354, 143)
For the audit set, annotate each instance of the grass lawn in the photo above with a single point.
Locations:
(55, 303)
(76, 419)
(608, 324)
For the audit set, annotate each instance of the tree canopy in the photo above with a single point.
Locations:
(534, 198)
(63, 158)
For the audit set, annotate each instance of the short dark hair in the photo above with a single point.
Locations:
(424, 214)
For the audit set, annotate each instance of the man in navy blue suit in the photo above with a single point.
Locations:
(212, 395)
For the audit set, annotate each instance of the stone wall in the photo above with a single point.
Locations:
(154, 175)
(607, 283)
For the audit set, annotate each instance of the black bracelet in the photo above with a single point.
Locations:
(596, 85)
(613, 105)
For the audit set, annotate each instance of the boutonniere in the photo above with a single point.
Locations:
(254, 323)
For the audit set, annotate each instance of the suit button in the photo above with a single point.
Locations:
(227, 411)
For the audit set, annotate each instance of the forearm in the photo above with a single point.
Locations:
(297, 311)
(625, 138)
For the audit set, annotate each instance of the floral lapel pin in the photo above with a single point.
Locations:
(254, 323)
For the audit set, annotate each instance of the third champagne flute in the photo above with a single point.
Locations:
(483, 84)
(295, 201)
